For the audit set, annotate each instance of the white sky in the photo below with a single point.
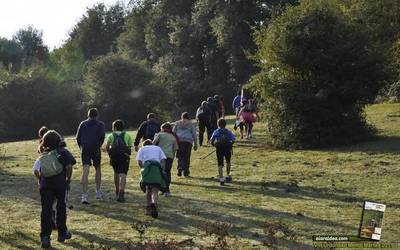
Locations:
(55, 18)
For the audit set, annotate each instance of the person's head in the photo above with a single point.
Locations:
(185, 115)
(221, 123)
(244, 101)
(147, 142)
(51, 140)
(166, 127)
(43, 130)
(216, 97)
(118, 125)
(93, 113)
(204, 103)
(151, 116)
(209, 99)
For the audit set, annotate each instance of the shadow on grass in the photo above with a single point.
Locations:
(17, 240)
(379, 145)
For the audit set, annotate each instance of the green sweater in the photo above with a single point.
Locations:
(167, 142)
(151, 174)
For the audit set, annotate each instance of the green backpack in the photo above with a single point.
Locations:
(50, 164)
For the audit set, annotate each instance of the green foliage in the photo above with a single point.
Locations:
(121, 88)
(10, 54)
(31, 42)
(318, 72)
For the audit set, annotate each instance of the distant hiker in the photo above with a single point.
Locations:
(119, 144)
(223, 140)
(203, 116)
(186, 132)
(220, 106)
(246, 118)
(236, 103)
(90, 137)
(168, 142)
(147, 130)
(53, 170)
(151, 160)
(214, 112)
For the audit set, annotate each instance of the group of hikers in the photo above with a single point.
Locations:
(160, 144)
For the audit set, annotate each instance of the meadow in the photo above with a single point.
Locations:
(278, 199)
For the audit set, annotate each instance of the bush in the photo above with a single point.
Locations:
(122, 89)
(317, 74)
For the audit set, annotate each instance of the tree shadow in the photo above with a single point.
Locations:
(379, 145)
(17, 240)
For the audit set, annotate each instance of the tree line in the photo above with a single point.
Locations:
(300, 58)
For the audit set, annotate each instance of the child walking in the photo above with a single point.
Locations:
(151, 160)
(168, 142)
(223, 140)
(53, 170)
(118, 146)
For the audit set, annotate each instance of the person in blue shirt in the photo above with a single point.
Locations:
(237, 102)
(222, 139)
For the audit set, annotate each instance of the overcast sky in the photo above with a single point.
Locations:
(55, 18)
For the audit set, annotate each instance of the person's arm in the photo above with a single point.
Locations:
(140, 133)
(213, 137)
(109, 142)
(36, 170)
(140, 163)
(156, 139)
(102, 135)
(162, 163)
(194, 137)
(79, 135)
(231, 137)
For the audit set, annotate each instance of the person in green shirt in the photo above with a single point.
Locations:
(168, 142)
(119, 144)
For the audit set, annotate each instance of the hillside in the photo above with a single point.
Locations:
(299, 193)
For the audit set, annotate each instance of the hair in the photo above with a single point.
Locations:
(43, 130)
(221, 123)
(147, 142)
(151, 116)
(166, 126)
(93, 113)
(204, 103)
(118, 125)
(185, 115)
(209, 99)
(51, 140)
(216, 97)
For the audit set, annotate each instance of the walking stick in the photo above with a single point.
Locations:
(206, 156)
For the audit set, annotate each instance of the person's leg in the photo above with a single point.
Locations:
(250, 129)
(85, 182)
(54, 214)
(179, 155)
(228, 156)
(202, 128)
(61, 215)
(188, 152)
(47, 199)
(241, 127)
(168, 167)
(220, 163)
(116, 182)
(97, 165)
(148, 196)
(209, 131)
(154, 200)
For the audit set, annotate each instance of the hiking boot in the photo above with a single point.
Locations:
(121, 197)
(84, 199)
(148, 210)
(221, 181)
(179, 172)
(154, 212)
(45, 242)
(66, 236)
(99, 195)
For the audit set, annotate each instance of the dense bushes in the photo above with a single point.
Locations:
(318, 72)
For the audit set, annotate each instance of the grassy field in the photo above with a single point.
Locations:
(279, 199)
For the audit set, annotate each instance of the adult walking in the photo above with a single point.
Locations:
(203, 116)
(186, 132)
(90, 137)
(147, 130)
(214, 113)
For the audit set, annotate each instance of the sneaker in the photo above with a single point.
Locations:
(167, 194)
(121, 197)
(99, 195)
(66, 236)
(179, 172)
(228, 179)
(221, 181)
(84, 199)
(45, 242)
(154, 212)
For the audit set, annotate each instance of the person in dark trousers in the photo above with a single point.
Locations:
(118, 146)
(220, 106)
(214, 112)
(53, 169)
(147, 130)
(203, 116)
(186, 132)
(90, 137)
(223, 140)
(168, 142)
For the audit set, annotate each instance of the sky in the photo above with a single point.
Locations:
(55, 18)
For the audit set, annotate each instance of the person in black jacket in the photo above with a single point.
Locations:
(90, 138)
(54, 186)
(214, 113)
(203, 116)
(147, 130)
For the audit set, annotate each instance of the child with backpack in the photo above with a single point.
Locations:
(222, 139)
(151, 160)
(168, 142)
(53, 169)
(118, 146)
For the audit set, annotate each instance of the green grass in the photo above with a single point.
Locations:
(303, 193)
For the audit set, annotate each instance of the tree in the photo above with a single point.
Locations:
(31, 42)
(10, 54)
(318, 72)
